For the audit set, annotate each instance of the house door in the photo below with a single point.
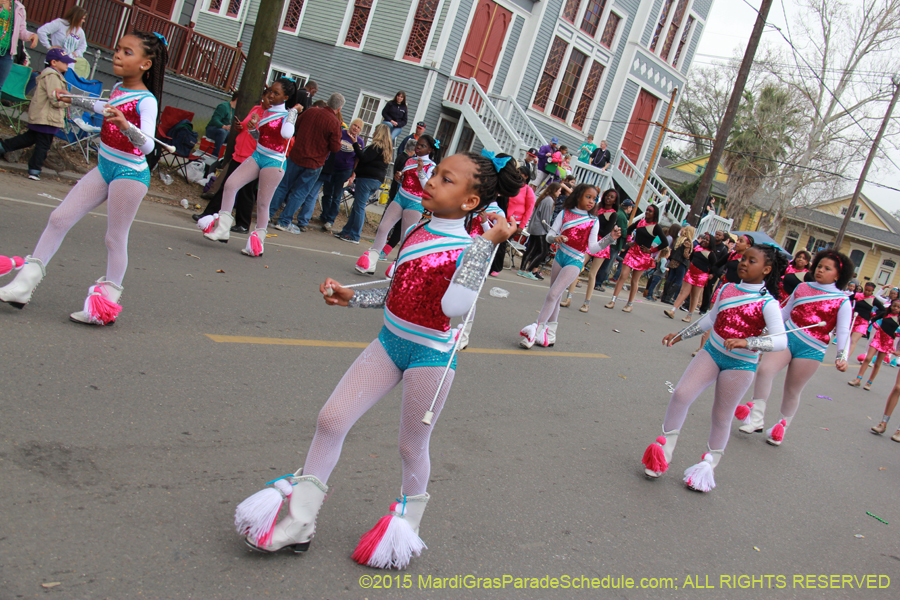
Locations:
(162, 8)
(638, 125)
(481, 52)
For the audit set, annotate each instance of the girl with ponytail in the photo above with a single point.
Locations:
(737, 319)
(121, 178)
(439, 272)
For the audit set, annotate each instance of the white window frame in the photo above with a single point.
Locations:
(382, 101)
(891, 270)
(865, 255)
(579, 18)
(345, 26)
(787, 236)
(407, 30)
(288, 72)
(681, 59)
(284, 10)
(623, 20)
(689, 9)
(224, 7)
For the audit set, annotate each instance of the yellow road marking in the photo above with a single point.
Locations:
(242, 339)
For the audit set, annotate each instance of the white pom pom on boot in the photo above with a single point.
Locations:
(101, 307)
(699, 477)
(395, 538)
(528, 335)
(18, 292)
(296, 530)
(222, 231)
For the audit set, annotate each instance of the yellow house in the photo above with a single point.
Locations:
(872, 239)
(679, 173)
(696, 167)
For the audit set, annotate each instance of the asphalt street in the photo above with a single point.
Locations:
(124, 450)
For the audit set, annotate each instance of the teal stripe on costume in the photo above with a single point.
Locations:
(413, 254)
(140, 162)
(447, 235)
(725, 362)
(800, 347)
(446, 338)
(751, 356)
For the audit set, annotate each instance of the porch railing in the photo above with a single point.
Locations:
(191, 54)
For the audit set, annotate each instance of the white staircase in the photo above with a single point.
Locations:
(499, 122)
(502, 126)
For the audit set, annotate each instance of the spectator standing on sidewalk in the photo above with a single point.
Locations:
(586, 150)
(318, 134)
(342, 164)
(220, 124)
(415, 135)
(601, 157)
(370, 173)
(395, 114)
(545, 153)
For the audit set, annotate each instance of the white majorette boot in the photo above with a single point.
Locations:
(101, 307)
(368, 262)
(528, 335)
(775, 435)
(658, 455)
(255, 243)
(255, 517)
(18, 291)
(464, 331)
(542, 335)
(699, 477)
(222, 228)
(752, 415)
(395, 538)
(551, 333)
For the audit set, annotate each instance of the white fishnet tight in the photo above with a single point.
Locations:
(799, 372)
(269, 178)
(371, 376)
(560, 279)
(123, 197)
(392, 214)
(702, 372)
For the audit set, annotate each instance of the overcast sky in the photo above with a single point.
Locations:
(728, 28)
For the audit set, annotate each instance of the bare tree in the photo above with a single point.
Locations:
(844, 57)
(703, 104)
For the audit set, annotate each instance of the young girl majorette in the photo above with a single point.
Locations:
(121, 178)
(576, 231)
(819, 301)
(407, 206)
(796, 272)
(439, 273)
(647, 234)
(606, 213)
(695, 279)
(867, 308)
(885, 332)
(740, 314)
(272, 132)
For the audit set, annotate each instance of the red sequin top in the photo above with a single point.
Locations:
(410, 184)
(744, 320)
(809, 313)
(270, 133)
(476, 226)
(425, 267)
(110, 134)
(579, 235)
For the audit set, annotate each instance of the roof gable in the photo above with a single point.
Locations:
(875, 217)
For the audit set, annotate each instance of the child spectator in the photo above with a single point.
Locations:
(46, 114)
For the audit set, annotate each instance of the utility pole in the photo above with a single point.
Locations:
(862, 177)
(259, 57)
(728, 118)
(659, 138)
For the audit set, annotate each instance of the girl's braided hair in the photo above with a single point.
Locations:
(842, 261)
(776, 260)
(158, 53)
(492, 185)
(289, 87)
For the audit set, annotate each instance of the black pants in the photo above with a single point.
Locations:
(497, 265)
(674, 277)
(535, 253)
(707, 293)
(27, 139)
(243, 203)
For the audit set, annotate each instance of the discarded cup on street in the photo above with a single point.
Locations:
(499, 293)
(185, 203)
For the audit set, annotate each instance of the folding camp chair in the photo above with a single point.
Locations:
(516, 247)
(170, 117)
(14, 93)
(82, 127)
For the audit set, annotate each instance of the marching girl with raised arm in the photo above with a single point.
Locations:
(439, 272)
(649, 237)
(121, 179)
(407, 206)
(272, 132)
(606, 214)
(819, 301)
(738, 318)
(866, 308)
(885, 332)
(575, 229)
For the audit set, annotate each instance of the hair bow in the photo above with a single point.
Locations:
(437, 144)
(162, 38)
(499, 163)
